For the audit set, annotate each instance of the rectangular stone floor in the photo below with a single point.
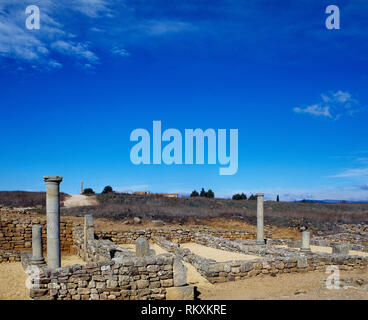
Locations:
(203, 251)
(216, 254)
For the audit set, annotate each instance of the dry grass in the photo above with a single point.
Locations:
(19, 199)
(318, 215)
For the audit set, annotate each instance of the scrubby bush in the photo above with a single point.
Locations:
(107, 189)
(88, 192)
(210, 194)
(194, 193)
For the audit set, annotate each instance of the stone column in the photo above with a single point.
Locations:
(142, 247)
(260, 231)
(37, 256)
(89, 233)
(305, 242)
(53, 220)
(81, 187)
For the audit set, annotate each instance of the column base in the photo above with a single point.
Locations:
(305, 250)
(39, 261)
(260, 242)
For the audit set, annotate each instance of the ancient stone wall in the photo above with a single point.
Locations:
(16, 233)
(131, 279)
(9, 255)
(172, 234)
(113, 274)
(271, 260)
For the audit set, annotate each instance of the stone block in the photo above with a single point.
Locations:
(180, 293)
(340, 249)
(142, 248)
(180, 273)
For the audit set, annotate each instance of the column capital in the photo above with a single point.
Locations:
(260, 194)
(56, 179)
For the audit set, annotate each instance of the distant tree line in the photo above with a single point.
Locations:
(90, 191)
(242, 196)
(203, 193)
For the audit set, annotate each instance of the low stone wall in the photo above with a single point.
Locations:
(131, 279)
(114, 274)
(174, 234)
(16, 233)
(9, 256)
(271, 260)
(97, 250)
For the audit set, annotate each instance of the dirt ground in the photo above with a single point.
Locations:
(329, 250)
(298, 286)
(13, 278)
(13, 282)
(216, 254)
(77, 200)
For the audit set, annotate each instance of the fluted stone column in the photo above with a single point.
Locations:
(260, 231)
(305, 242)
(89, 233)
(37, 256)
(53, 220)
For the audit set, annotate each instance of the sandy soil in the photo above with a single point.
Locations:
(13, 282)
(329, 250)
(300, 286)
(13, 278)
(78, 200)
(216, 254)
(70, 260)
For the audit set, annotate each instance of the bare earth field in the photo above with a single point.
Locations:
(302, 286)
(216, 254)
(77, 200)
(13, 278)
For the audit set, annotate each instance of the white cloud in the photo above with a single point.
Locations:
(59, 33)
(36, 47)
(78, 50)
(364, 186)
(352, 173)
(120, 52)
(91, 8)
(315, 110)
(54, 64)
(333, 105)
(155, 27)
(130, 189)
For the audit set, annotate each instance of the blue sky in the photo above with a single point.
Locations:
(72, 92)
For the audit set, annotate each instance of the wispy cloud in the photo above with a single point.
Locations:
(120, 52)
(38, 47)
(358, 172)
(364, 186)
(78, 50)
(316, 110)
(129, 189)
(333, 105)
(165, 27)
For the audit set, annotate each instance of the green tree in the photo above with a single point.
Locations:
(107, 189)
(238, 196)
(252, 197)
(210, 194)
(88, 192)
(277, 198)
(194, 193)
(203, 193)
